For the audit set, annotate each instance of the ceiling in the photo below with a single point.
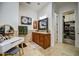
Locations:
(36, 6)
(60, 4)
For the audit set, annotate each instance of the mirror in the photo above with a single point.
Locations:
(43, 24)
(6, 31)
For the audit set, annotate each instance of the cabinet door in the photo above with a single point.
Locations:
(37, 38)
(33, 37)
(41, 40)
(46, 41)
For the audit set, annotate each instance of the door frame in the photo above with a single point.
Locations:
(60, 27)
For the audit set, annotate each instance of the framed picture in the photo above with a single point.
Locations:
(26, 20)
(35, 25)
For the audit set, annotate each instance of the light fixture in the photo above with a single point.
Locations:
(28, 2)
(38, 3)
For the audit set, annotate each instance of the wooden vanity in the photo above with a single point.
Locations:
(41, 38)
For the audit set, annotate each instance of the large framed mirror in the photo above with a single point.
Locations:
(43, 24)
(7, 31)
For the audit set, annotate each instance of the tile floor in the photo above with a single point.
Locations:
(33, 49)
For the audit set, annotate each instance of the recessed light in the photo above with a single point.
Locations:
(28, 2)
(38, 3)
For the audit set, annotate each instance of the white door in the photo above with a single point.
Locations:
(77, 27)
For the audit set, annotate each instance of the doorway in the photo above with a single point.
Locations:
(69, 27)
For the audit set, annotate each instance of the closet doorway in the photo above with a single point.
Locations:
(69, 27)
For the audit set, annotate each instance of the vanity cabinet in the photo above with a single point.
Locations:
(42, 39)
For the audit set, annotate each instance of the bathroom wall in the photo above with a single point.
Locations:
(26, 11)
(9, 14)
(77, 27)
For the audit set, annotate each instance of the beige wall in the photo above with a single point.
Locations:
(9, 14)
(27, 11)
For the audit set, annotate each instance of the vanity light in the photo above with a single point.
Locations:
(42, 17)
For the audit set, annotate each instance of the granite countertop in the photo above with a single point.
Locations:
(42, 32)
